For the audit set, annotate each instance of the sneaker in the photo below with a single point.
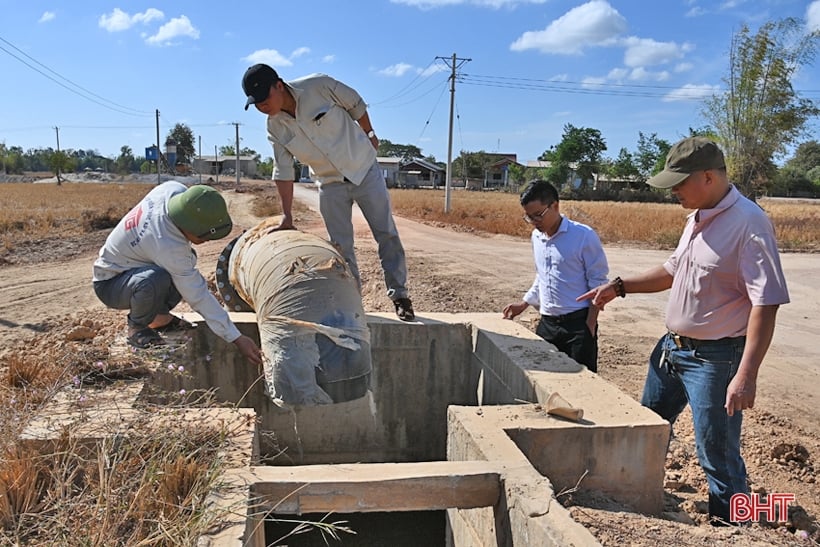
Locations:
(404, 309)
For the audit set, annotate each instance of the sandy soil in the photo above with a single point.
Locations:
(462, 272)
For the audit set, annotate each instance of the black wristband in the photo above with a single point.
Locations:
(618, 285)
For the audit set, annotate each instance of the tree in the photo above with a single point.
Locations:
(651, 155)
(624, 167)
(806, 157)
(60, 162)
(580, 148)
(471, 165)
(183, 137)
(125, 161)
(760, 114)
(403, 151)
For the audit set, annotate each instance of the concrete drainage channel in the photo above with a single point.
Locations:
(440, 451)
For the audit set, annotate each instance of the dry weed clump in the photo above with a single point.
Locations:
(146, 485)
(656, 225)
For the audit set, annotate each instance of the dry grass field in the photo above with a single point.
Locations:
(654, 225)
(45, 210)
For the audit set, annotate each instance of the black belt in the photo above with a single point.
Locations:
(684, 342)
(571, 316)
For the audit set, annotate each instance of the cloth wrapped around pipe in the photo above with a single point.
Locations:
(312, 326)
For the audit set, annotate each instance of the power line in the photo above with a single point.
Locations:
(85, 93)
(407, 88)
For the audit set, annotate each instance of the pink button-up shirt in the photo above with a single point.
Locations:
(725, 263)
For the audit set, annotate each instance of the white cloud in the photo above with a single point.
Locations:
(298, 52)
(430, 70)
(683, 67)
(431, 4)
(593, 82)
(177, 27)
(638, 74)
(595, 23)
(400, 69)
(119, 20)
(696, 11)
(269, 57)
(813, 16)
(397, 70)
(563, 77)
(328, 58)
(47, 16)
(647, 52)
(691, 92)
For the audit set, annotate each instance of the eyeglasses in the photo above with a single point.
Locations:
(532, 219)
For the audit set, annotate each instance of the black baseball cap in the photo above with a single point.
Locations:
(256, 83)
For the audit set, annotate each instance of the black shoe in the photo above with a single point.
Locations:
(404, 309)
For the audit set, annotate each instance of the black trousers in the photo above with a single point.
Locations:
(570, 334)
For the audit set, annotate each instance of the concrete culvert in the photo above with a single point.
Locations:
(312, 325)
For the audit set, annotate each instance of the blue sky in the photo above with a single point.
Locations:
(99, 71)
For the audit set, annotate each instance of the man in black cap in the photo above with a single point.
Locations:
(726, 286)
(324, 124)
(147, 265)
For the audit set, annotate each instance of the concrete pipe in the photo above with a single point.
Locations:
(312, 326)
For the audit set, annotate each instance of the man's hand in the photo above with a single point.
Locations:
(740, 394)
(249, 349)
(600, 296)
(512, 310)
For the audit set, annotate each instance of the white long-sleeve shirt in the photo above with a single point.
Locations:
(567, 264)
(147, 236)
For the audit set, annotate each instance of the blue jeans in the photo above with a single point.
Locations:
(146, 292)
(336, 205)
(700, 377)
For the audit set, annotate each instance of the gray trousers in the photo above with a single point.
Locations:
(147, 292)
(336, 205)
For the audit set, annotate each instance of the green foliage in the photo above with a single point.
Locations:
(651, 155)
(394, 150)
(760, 114)
(806, 157)
(125, 161)
(624, 167)
(472, 164)
(60, 162)
(580, 148)
(183, 136)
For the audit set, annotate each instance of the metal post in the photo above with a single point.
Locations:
(200, 159)
(216, 165)
(57, 129)
(159, 152)
(237, 153)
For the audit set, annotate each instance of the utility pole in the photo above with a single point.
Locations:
(216, 165)
(236, 124)
(449, 181)
(200, 159)
(59, 159)
(159, 152)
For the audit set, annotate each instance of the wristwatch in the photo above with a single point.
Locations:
(371, 134)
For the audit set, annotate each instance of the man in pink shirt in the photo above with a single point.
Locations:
(726, 284)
